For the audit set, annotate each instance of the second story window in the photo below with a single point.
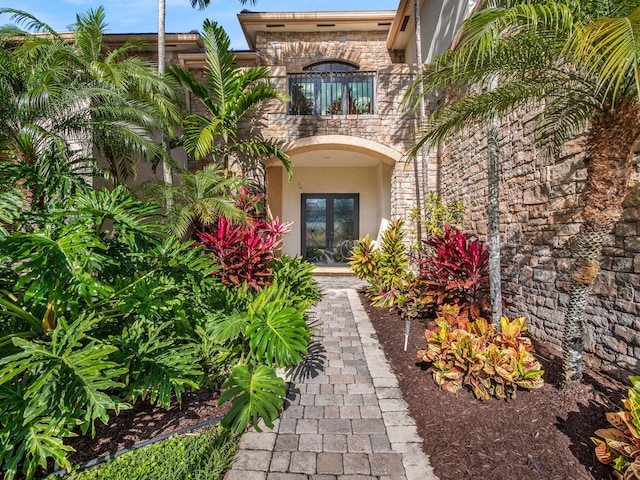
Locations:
(331, 88)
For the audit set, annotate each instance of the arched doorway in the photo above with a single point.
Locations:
(340, 191)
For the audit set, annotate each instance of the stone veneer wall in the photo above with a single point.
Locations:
(540, 213)
(390, 125)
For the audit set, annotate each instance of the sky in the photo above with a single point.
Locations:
(141, 16)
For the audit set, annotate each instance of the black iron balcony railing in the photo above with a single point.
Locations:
(332, 93)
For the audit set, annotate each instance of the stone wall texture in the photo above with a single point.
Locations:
(389, 125)
(540, 214)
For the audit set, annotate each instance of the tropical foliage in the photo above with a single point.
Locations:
(101, 306)
(577, 61)
(474, 355)
(384, 266)
(620, 446)
(245, 251)
(199, 199)
(229, 94)
(455, 269)
(110, 101)
(438, 213)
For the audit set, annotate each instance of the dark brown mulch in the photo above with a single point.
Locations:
(144, 422)
(541, 434)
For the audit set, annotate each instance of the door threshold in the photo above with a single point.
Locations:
(328, 270)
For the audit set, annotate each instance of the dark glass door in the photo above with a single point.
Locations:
(329, 226)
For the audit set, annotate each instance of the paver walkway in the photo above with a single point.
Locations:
(344, 417)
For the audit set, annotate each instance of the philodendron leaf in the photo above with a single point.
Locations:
(255, 394)
(278, 336)
(222, 330)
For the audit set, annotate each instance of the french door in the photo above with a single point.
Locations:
(329, 226)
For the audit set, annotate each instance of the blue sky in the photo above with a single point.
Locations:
(141, 16)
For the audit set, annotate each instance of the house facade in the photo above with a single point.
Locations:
(347, 133)
(345, 129)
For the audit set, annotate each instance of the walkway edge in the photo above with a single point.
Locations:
(401, 428)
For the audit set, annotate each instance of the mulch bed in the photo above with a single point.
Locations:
(144, 422)
(541, 434)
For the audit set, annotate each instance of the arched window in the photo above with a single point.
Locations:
(335, 66)
(331, 87)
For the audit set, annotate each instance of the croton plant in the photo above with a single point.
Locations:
(473, 354)
(620, 446)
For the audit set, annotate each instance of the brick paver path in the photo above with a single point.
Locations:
(344, 418)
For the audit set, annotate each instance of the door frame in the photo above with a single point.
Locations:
(330, 197)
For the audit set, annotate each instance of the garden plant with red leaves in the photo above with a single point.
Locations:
(455, 270)
(245, 251)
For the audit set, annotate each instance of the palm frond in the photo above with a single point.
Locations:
(477, 109)
(31, 23)
(219, 65)
(609, 49)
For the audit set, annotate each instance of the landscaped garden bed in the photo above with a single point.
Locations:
(543, 433)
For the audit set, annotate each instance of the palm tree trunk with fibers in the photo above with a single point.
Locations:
(493, 214)
(609, 151)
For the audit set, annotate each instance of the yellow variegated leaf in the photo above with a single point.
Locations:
(633, 471)
(48, 321)
(503, 373)
(615, 445)
(530, 384)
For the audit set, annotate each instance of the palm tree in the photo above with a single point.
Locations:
(229, 94)
(202, 4)
(199, 199)
(578, 61)
(111, 97)
(162, 11)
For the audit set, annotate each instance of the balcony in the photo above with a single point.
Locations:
(332, 93)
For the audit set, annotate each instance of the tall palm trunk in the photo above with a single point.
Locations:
(608, 159)
(493, 214)
(162, 11)
(421, 117)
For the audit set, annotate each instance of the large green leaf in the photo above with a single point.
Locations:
(160, 365)
(50, 386)
(58, 262)
(255, 394)
(10, 206)
(278, 335)
(224, 329)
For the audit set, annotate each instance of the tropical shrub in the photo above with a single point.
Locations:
(271, 332)
(386, 268)
(245, 253)
(99, 310)
(363, 259)
(295, 273)
(620, 446)
(490, 363)
(455, 272)
(436, 213)
(50, 385)
(245, 250)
